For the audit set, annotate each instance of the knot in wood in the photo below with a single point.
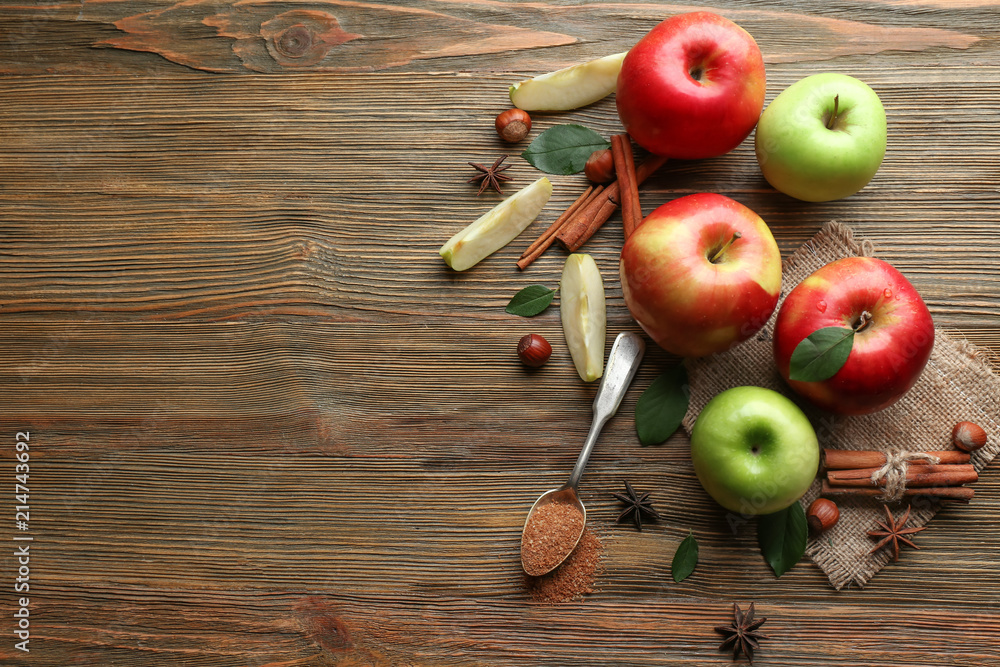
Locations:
(294, 42)
(302, 37)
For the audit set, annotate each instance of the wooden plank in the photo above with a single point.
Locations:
(320, 628)
(345, 234)
(340, 35)
(305, 472)
(364, 526)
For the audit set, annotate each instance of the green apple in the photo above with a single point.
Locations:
(569, 88)
(822, 138)
(754, 450)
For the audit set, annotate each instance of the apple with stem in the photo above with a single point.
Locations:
(691, 88)
(853, 337)
(822, 138)
(701, 274)
(754, 450)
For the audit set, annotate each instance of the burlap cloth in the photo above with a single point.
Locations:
(957, 385)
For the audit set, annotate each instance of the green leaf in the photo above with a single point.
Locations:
(820, 355)
(530, 301)
(685, 558)
(660, 409)
(782, 537)
(564, 149)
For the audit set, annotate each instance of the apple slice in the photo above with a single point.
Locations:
(569, 88)
(581, 306)
(498, 227)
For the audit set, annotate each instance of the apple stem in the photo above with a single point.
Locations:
(833, 117)
(717, 255)
(863, 321)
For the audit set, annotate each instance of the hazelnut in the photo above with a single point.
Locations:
(600, 167)
(822, 515)
(513, 125)
(533, 350)
(968, 436)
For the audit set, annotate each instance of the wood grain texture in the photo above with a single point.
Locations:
(257, 198)
(270, 427)
(346, 35)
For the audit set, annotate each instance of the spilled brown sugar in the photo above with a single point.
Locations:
(550, 535)
(574, 578)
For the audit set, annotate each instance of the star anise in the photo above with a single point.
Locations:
(637, 506)
(893, 533)
(743, 634)
(491, 176)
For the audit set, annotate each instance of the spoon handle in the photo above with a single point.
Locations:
(623, 362)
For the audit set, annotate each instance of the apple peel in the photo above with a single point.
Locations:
(496, 228)
(570, 87)
(583, 313)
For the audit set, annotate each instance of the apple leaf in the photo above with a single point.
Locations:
(821, 354)
(685, 558)
(782, 537)
(564, 149)
(660, 409)
(531, 301)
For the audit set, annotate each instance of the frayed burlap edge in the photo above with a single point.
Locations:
(957, 384)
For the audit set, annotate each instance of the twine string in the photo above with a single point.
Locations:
(894, 472)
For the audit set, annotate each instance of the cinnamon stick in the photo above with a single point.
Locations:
(916, 476)
(621, 153)
(589, 221)
(576, 226)
(548, 237)
(844, 459)
(866, 473)
(554, 227)
(961, 494)
(634, 176)
(646, 169)
(573, 238)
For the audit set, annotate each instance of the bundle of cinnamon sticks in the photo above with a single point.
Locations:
(849, 473)
(597, 203)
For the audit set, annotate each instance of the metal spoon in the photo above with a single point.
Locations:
(622, 364)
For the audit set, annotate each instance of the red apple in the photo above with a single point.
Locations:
(692, 88)
(890, 348)
(701, 274)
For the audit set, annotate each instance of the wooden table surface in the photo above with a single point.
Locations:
(269, 427)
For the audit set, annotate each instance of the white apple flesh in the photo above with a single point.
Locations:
(497, 228)
(583, 314)
(569, 88)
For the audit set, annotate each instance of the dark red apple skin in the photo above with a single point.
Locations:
(687, 304)
(667, 111)
(888, 355)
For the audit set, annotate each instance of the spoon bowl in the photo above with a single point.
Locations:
(623, 362)
(566, 495)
